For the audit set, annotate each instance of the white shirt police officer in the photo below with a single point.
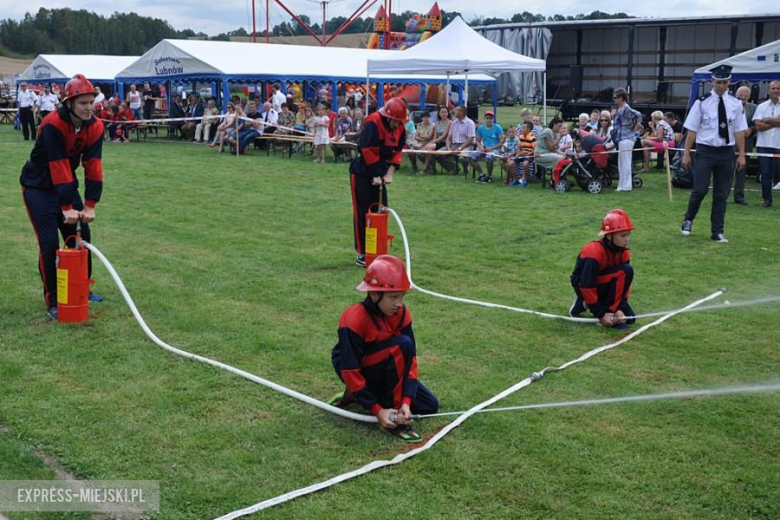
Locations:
(715, 123)
(48, 102)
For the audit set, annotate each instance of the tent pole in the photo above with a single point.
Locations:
(225, 94)
(495, 101)
(367, 96)
(544, 95)
(446, 94)
(466, 92)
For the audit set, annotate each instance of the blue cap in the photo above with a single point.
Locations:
(721, 72)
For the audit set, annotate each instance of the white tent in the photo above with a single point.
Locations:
(241, 60)
(62, 67)
(199, 60)
(456, 49)
(755, 65)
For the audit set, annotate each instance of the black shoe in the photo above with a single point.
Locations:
(766, 204)
(406, 433)
(52, 312)
(577, 307)
(685, 229)
(742, 202)
(482, 178)
(360, 261)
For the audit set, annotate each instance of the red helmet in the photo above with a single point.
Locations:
(614, 222)
(395, 109)
(78, 86)
(385, 274)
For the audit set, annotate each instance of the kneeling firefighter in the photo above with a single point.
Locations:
(376, 355)
(603, 274)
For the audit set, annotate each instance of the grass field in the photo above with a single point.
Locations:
(249, 261)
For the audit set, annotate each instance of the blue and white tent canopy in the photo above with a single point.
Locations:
(755, 65)
(199, 60)
(60, 68)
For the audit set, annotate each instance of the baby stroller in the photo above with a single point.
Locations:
(588, 171)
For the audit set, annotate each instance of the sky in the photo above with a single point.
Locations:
(221, 16)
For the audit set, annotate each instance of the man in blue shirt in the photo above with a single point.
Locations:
(490, 137)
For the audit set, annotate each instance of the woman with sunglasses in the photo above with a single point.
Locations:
(604, 130)
(229, 121)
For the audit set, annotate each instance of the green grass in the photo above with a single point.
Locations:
(249, 261)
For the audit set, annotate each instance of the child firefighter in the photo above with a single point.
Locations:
(602, 275)
(376, 356)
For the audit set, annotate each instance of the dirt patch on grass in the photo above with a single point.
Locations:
(63, 474)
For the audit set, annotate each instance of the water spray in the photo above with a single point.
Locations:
(708, 392)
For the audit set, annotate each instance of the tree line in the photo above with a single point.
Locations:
(68, 31)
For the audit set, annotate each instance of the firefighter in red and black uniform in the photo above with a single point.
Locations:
(379, 155)
(603, 274)
(67, 137)
(376, 356)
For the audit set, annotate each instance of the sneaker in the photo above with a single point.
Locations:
(360, 261)
(95, 297)
(577, 307)
(766, 204)
(741, 202)
(52, 312)
(340, 400)
(514, 183)
(482, 178)
(685, 229)
(488, 180)
(776, 187)
(406, 433)
(720, 238)
(522, 184)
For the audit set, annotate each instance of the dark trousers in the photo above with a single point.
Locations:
(769, 168)
(739, 184)
(213, 132)
(27, 119)
(43, 208)
(717, 163)
(613, 286)
(45, 113)
(386, 367)
(364, 194)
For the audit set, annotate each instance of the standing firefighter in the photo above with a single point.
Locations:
(379, 155)
(602, 275)
(66, 138)
(376, 356)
